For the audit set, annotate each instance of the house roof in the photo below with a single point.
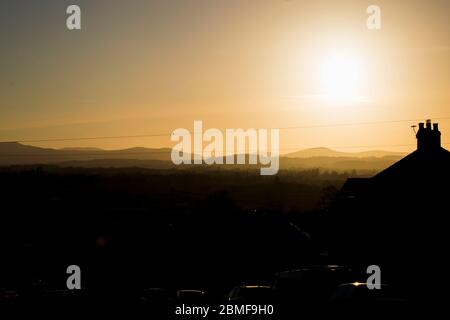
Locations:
(417, 165)
(430, 160)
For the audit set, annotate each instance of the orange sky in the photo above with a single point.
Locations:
(143, 67)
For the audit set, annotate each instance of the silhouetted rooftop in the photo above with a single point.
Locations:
(429, 160)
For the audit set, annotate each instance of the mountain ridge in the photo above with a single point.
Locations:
(14, 153)
(327, 152)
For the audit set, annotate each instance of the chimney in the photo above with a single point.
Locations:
(428, 138)
(436, 136)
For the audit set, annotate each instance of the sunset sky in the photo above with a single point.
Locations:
(143, 67)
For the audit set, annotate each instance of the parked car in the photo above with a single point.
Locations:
(191, 296)
(251, 294)
(358, 293)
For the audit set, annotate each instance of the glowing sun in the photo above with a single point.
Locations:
(339, 77)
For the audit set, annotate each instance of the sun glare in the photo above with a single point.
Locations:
(339, 77)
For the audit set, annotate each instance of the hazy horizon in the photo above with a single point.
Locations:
(319, 150)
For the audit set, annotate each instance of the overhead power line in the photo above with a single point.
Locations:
(150, 135)
(357, 123)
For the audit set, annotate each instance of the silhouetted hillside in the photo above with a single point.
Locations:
(326, 152)
(13, 153)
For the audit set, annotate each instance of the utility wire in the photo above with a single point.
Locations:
(169, 134)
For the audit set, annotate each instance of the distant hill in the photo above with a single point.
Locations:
(325, 152)
(81, 149)
(13, 153)
(15, 148)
